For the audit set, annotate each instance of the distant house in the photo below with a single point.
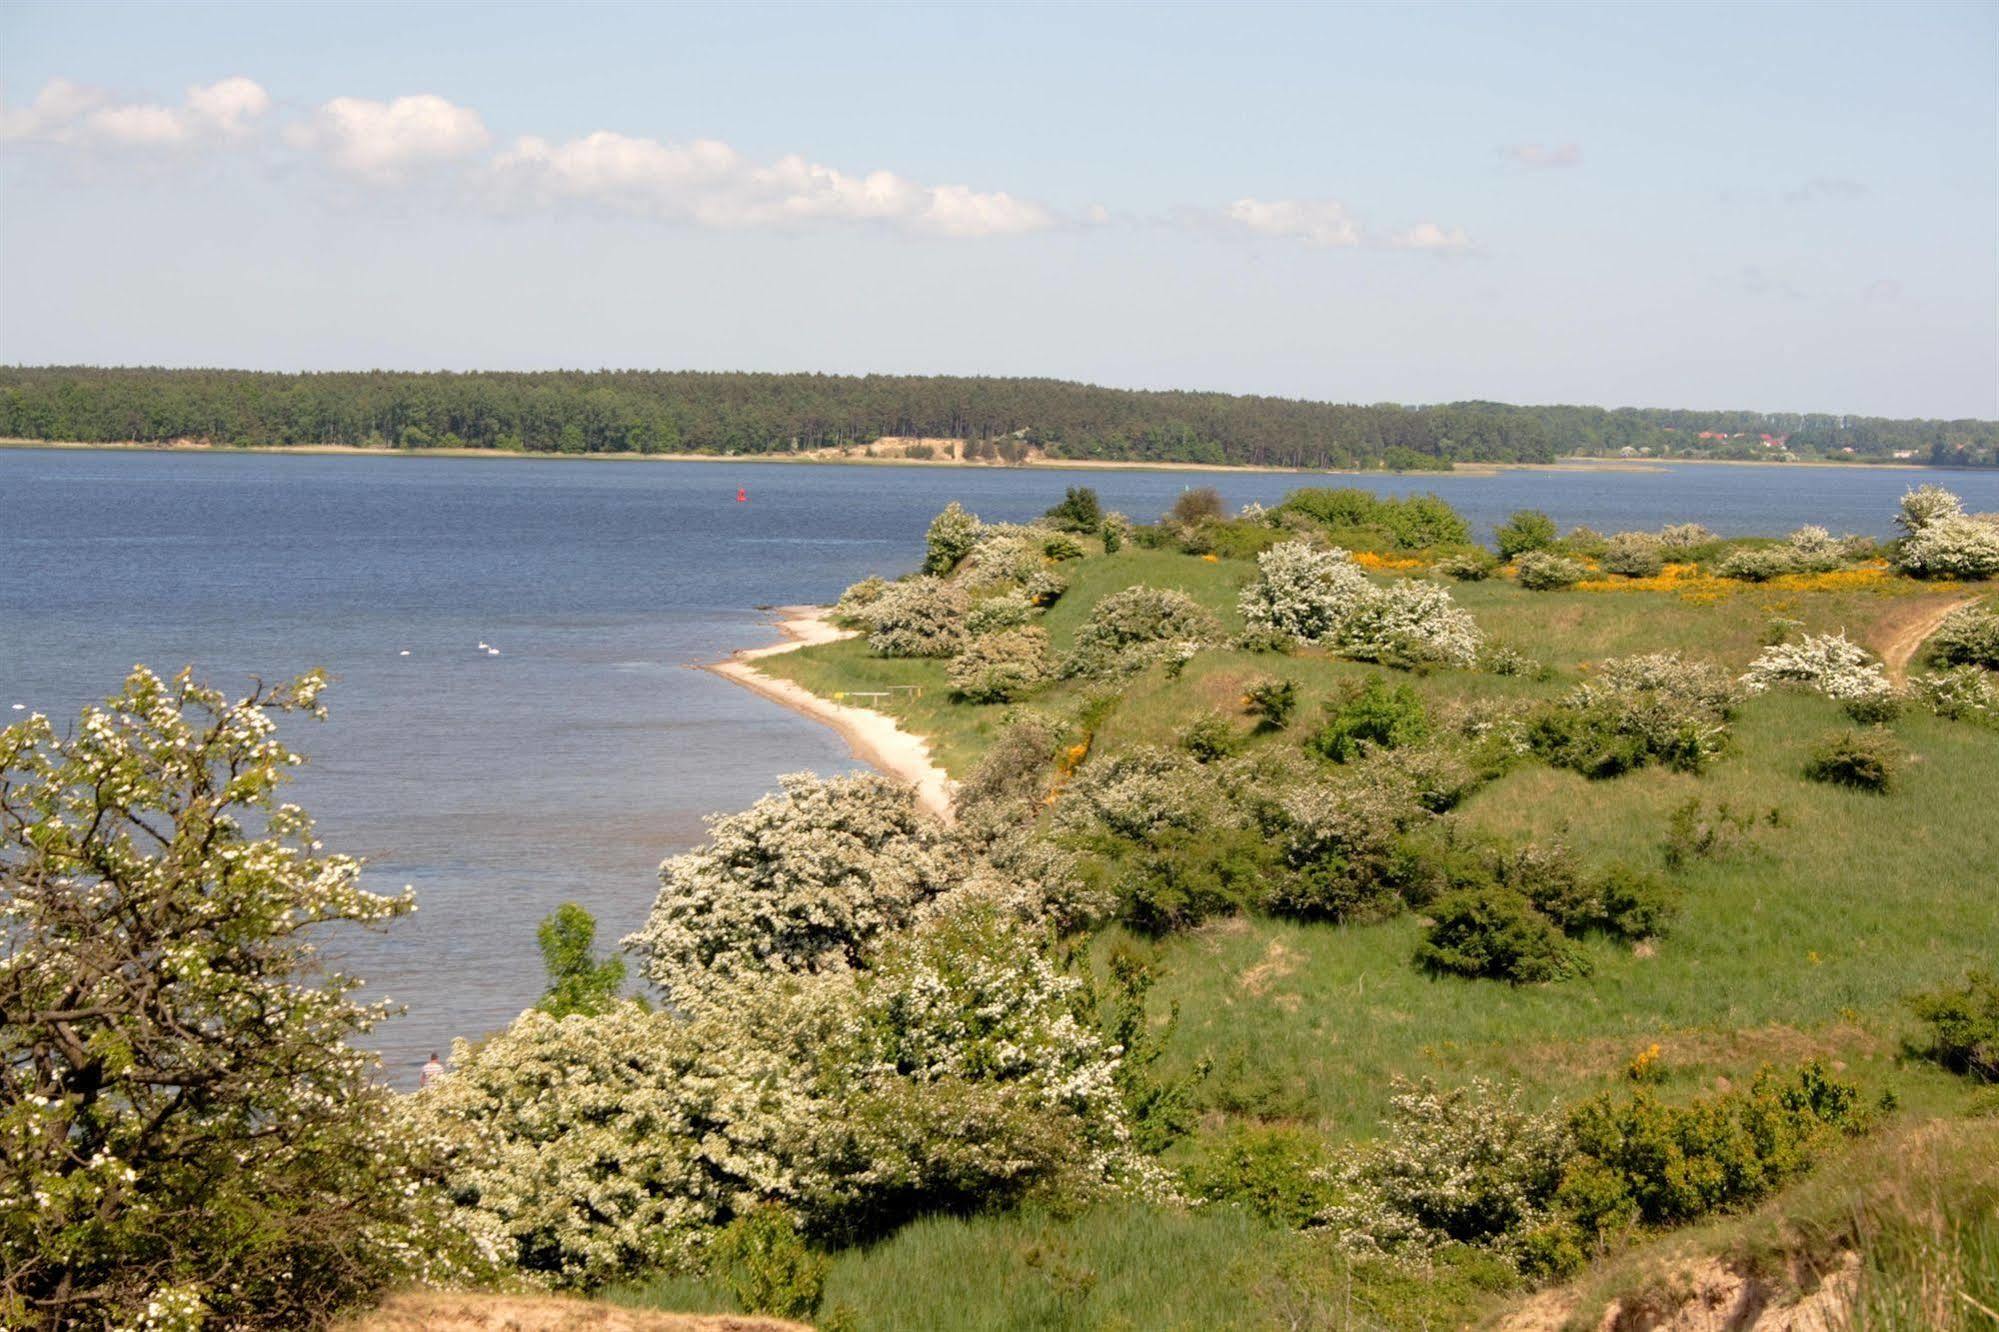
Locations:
(1905, 453)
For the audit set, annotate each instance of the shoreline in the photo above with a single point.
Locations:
(875, 738)
(1573, 463)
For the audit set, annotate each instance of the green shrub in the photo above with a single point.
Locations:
(766, 1265)
(1210, 736)
(1196, 505)
(1861, 760)
(1116, 530)
(1062, 547)
(1079, 511)
(577, 981)
(1275, 1173)
(1374, 716)
(1634, 555)
(1967, 637)
(1271, 702)
(1545, 571)
(1877, 709)
(1469, 566)
(1964, 1026)
(1693, 832)
(1525, 531)
(1185, 876)
(1495, 932)
(1413, 522)
(1603, 733)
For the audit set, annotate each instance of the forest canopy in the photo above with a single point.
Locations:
(744, 413)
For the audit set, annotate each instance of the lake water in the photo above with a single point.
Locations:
(567, 767)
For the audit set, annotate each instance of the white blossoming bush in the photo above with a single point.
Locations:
(187, 1129)
(1004, 553)
(605, 1146)
(1134, 793)
(921, 617)
(1968, 636)
(1679, 538)
(1634, 555)
(1008, 611)
(959, 1074)
(1813, 549)
(1304, 591)
(1757, 565)
(854, 605)
(1410, 622)
(1829, 664)
(1322, 597)
(1545, 571)
(1676, 676)
(1942, 541)
(802, 881)
(1960, 692)
(1134, 627)
(950, 539)
(1465, 1166)
(1001, 667)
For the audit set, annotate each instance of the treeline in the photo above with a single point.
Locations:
(735, 413)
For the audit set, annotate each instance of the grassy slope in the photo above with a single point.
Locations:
(1804, 944)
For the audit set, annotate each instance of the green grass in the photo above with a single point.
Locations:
(1804, 942)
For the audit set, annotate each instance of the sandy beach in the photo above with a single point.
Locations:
(875, 738)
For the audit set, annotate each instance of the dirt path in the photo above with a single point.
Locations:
(874, 737)
(1905, 636)
(476, 1311)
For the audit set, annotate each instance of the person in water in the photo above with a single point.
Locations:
(432, 1071)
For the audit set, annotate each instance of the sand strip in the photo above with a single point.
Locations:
(874, 737)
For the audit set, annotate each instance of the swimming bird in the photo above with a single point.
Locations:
(404, 653)
(20, 707)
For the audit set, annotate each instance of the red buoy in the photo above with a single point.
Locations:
(742, 494)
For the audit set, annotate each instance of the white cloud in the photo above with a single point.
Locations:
(709, 183)
(1314, 221)
(384, 141)
(71, 113)
(1430, 236)
(1539, 157)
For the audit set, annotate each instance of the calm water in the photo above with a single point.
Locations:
(567, 767)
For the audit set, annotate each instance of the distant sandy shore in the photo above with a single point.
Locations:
(1571, 464)
(875, 738)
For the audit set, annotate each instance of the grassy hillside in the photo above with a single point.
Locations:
(1803, 940)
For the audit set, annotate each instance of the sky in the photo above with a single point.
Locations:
(1778, 207)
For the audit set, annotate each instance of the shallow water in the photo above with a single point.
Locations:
(568, 766)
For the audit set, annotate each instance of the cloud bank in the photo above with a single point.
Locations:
(425, 138)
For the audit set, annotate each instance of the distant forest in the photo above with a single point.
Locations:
(730, 413)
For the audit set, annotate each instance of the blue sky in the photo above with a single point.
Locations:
(1783, 207)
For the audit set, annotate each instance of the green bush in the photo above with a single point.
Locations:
(1495, 932)
(1527, 530)
(1271, 702)
(1062, 547)
(1414, 522)
(1545, 571)
(1079, 511)
(1603, 734)
(1861, 760)
(1210, 736)
(1116, 530)
(766, 1265)
(577, 981)
(1964, 1026)
(1469, 566)
(1877, 709)
(1374, 716)
(1276, 1173)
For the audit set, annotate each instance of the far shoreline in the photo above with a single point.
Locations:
(1570, 463)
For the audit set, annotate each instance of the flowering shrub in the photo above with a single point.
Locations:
(187, 1131)
(1001, 667)
(1672, 675)
(951, 536)
(1133, 793)
(1133, 627)
(1656, 708)
(1003, 554)
(1410, 623)
(1634, 555)
(854, 604)
(1969, 636)
(1306, 592)
(1009, 611)
(1544, 571)
(921, 617)
(1942, 541)
(1679, 538)
(1756, 565)
(802, 881)
(1814, 550)
(1340, 844)
(1963, 691)
(1322, 597)
(1461, 1166)
(1044, 587)
(1829, 664)
(1116, 531)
